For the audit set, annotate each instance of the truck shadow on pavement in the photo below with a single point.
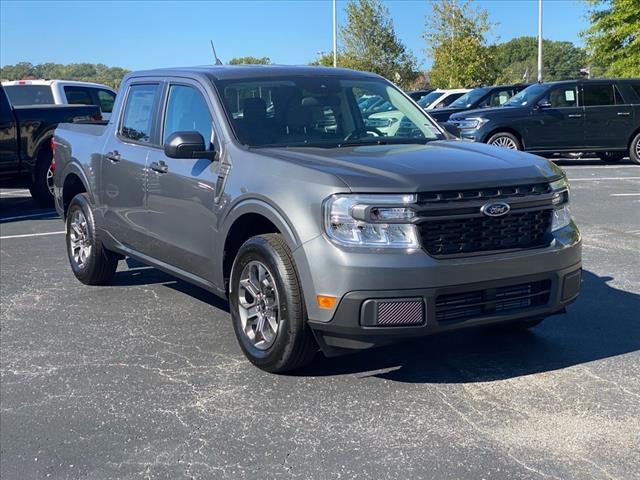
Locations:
(603, 322)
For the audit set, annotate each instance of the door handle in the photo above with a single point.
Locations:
(623, 114)
(159, 167)
(113, 157)
(575, 115)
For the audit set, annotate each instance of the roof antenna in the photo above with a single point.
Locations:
(215, 56)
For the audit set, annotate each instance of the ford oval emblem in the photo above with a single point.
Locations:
(496, 209)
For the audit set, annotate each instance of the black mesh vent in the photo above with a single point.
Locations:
(456, 307)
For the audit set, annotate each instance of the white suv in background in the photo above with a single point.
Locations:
(441, 98)
(60, 92)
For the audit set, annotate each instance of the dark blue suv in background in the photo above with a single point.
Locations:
(483, 97)
(600, 116)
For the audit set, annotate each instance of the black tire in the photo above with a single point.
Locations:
(501, 139)
(100, 264)
(293, 345)
(40, 186)
(612, 157)
(634, 149)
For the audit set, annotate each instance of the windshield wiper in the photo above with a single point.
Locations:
(385, 141)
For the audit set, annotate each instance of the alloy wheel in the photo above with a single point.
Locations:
(505, 142)
(49, 179)
(258, 304)
(79, 241)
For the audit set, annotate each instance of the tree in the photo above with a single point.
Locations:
(455, 36)
(517, 60)
(369, 43)
(613, 39)
(250, 61)
(87, 72)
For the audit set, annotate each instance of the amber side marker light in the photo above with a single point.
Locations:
(326, 302)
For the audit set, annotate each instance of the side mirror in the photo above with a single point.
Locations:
(187, 145)
(450, 129)
(544, 104)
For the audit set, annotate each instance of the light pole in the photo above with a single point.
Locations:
(335, 36)
(539, 40)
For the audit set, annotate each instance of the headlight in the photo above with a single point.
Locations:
(469, 123)
(381, 221)
(562, 215)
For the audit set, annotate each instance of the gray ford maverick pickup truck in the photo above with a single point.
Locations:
(265, 185)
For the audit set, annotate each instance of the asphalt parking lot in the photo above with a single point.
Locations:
(144, 378)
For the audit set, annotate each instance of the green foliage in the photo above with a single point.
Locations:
(455, 35)
(369, 43)
(613, 39)
(250, 61)
(87, 72)
(517, 60)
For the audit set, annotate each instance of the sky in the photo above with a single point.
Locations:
(150, 34)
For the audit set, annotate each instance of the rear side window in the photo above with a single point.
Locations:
(138, 113)
(448, 100)
(187, 111)
(78, 96)
(20, 95)
(106, 100)
(598, 95)
(636, 88)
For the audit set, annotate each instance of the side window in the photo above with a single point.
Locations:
(561, 97)
(78, 95)
(448, 100)
(619, 99)
(497, 98)
(106, 100)
(597, 95)
(138, 113)
(187, 110)
(636, 88)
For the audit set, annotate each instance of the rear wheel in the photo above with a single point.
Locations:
(91, 263)
(612, 157)
(267, 306)
(505, 140)
(634, 149)
(42, 187)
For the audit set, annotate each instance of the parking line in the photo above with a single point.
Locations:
(595, 179)
(33, 215)
(31, 235)
(625, 194)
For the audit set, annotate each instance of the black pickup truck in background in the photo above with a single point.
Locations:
(25, 142)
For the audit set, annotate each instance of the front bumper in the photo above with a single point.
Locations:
(357, 277)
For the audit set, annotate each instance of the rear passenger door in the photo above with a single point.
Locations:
(608, 121)
(182, 191)
(123, 175)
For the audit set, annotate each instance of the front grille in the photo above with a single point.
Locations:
(480, 234)
(458, 307)
(516, 191)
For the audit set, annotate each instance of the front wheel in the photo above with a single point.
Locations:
(267, 306)
(505, 140)
(91, 263)
(634, 149)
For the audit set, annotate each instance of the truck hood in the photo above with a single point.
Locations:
(438, 165)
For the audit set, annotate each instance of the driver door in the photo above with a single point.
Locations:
(181, 193)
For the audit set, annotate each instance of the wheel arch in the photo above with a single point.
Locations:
(73, 181)
(249, 218)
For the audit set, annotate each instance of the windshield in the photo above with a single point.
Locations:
(322, 111)
(469, 98)
(20, 95)
(526, 96)
(427, 100)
